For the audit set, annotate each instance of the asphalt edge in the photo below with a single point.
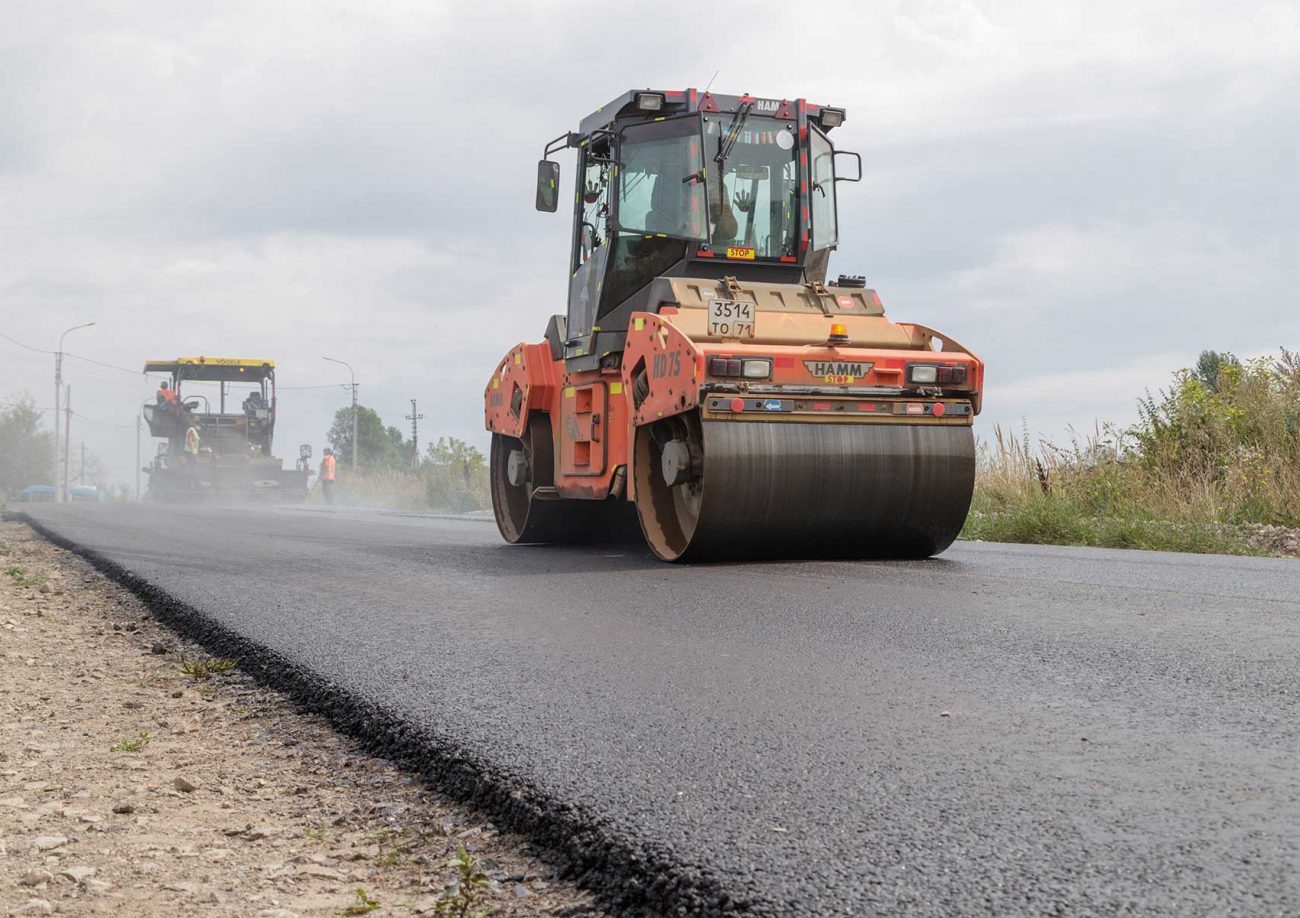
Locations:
(626, 880)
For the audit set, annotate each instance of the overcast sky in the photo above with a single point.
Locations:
(1086, 194)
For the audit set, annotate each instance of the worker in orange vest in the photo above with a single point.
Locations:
(327, 475)
(166, 393)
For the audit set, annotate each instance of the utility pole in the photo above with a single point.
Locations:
(67, 439)
(81, 475)
(414, 417)
(354, 407)
(58, 388)
(137, 458)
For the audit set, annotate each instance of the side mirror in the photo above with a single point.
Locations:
(548, 186)
(846, 178)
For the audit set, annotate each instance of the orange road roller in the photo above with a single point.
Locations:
(707, 384)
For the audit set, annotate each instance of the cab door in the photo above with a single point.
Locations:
(590, 242)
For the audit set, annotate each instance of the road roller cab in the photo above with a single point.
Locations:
(706, 380)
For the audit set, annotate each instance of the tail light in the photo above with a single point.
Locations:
(951, 376)
(741, 367)
(928, 374)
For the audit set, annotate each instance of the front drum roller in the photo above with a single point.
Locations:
(519, 467)
(734, 490)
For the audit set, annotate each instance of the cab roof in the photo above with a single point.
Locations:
(214, 368)
(678, 101)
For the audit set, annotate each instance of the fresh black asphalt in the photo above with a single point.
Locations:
(1002, 730)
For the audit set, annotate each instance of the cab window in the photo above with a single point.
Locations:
(753, 191)
(593, 195)
(661, 179)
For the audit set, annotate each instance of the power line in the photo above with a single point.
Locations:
(80, 416)
(100, 363)
(24, 346)
(300, 388)
(38, 350)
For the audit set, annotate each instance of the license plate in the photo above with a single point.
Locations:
(731, 319)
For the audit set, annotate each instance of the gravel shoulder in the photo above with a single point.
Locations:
(140, 777)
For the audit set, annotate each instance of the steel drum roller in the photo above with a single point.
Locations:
(782, 489)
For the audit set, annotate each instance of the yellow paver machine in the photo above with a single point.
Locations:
(216, 418)
(707, 377)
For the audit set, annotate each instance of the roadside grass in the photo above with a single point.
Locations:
(1212, 459)
(449, 488)
(22, 577)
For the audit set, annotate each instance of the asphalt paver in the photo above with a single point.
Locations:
(1004, 729)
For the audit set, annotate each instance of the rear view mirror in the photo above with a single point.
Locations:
(856, 175)
(548, 186)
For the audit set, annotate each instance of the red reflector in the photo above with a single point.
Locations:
(783, 363)
(867, 406)
(951, 376)
(737, 405)
(937, 410)
(703, 254)
(725, 366)
(821, 406)
(788, 258)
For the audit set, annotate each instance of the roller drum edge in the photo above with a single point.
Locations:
(523, 520)
(797, 490)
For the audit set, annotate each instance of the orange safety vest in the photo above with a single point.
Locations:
(327, 469)
(192, 441)
(167, 395)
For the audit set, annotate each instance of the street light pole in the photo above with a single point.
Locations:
(354, 407)
(58, 397)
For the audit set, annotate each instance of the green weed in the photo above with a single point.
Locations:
(464, 897)
(201, 669)
(363, 905)
(131, 745)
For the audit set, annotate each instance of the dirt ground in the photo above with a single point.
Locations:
(140, 777)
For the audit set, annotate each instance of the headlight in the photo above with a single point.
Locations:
(922, 375)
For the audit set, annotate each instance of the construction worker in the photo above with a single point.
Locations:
(327, 475)
(166, 393)
(192, 444)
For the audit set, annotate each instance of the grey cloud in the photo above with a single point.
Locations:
(1071, 189)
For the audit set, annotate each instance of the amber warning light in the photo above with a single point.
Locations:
(839, 334)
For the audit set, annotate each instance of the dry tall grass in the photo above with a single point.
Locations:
(431, 487)
(1218, 450)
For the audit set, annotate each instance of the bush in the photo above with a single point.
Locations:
(1219, 449)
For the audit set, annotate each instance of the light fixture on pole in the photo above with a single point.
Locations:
(58, 399)
(354, 407)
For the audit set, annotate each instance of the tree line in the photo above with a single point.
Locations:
(449, 474)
